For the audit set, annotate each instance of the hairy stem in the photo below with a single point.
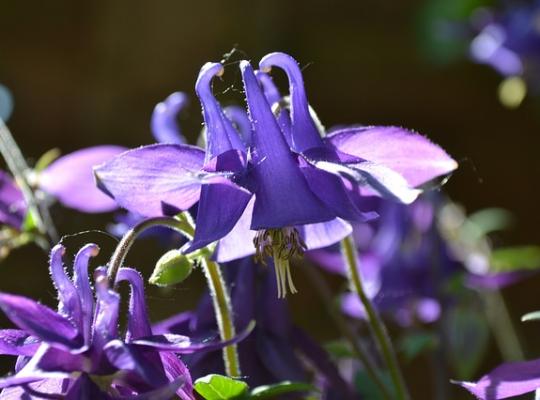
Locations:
(20, 170)
(216, 283)
(377, 326)
(222, 310)
(362, 355)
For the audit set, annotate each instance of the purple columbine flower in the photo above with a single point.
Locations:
(78, 351)
(289, 188)
(276, 350)
(507, 380)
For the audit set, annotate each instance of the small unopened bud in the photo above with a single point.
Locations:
(172, 268)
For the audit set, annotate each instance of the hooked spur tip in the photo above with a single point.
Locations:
(277, 59)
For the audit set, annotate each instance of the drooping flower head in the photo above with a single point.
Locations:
(286, 186)
(78, 350)
(277, 350)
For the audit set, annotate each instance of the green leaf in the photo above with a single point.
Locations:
(415, 343)
(468, 339)
(515, 257)
(532, 316)
(339, 349)
(172, 268)
(219, 387)
(29, 223)
(369, 389)
(46, 159)
(487, 221)
(271, 391)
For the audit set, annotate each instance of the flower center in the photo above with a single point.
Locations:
(281, 245)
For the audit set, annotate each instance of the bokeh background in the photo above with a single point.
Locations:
(87, 73)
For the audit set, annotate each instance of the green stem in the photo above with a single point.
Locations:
(216, 283)
(20, 170)
(324, 291)
(501, 324)
(222, 309)
(377, 326)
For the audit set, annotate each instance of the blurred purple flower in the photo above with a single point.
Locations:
(77, 351)
(70, 179)
(404, 262)
(12, 204)
(509, 39)
(277, 350)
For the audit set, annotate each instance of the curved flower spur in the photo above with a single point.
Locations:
(289, 189)
(77, 351)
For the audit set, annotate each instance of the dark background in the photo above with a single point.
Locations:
(87, 73)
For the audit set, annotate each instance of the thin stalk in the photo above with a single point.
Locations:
(222, 310)
(501, 324)
(377, 326)
(216, 283)
(20, 170)
(362, 355)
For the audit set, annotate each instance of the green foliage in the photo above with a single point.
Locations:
(515, 257)
(468, 338)
(440, 26)
(412, 344)
(219, 387)
(46, 159)
(368, 389)
(272, 391)
(172, 268)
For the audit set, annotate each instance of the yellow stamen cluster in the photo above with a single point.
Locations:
(280, 245)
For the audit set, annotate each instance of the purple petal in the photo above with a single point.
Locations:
(163, 123)
(138, 321)
(283, 197)
(324, 234)
(106, 315)
(352, 306)
(175, 370)
(82, 284)
(131, 358)
(184, 345)
(331, 261)
(373, 179)
(50, 386)
(220, 134)
(273, 97)
(304, 132)
(70, 179)
(165, 392)
(69, 304)
(412, 155)
(12, 203)
(331, 189)
(148, 179)
(15, 342)
(507, 380)
(238, 242)
(495, 280)
(239, 118)
(40, 321)
(220, 208)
